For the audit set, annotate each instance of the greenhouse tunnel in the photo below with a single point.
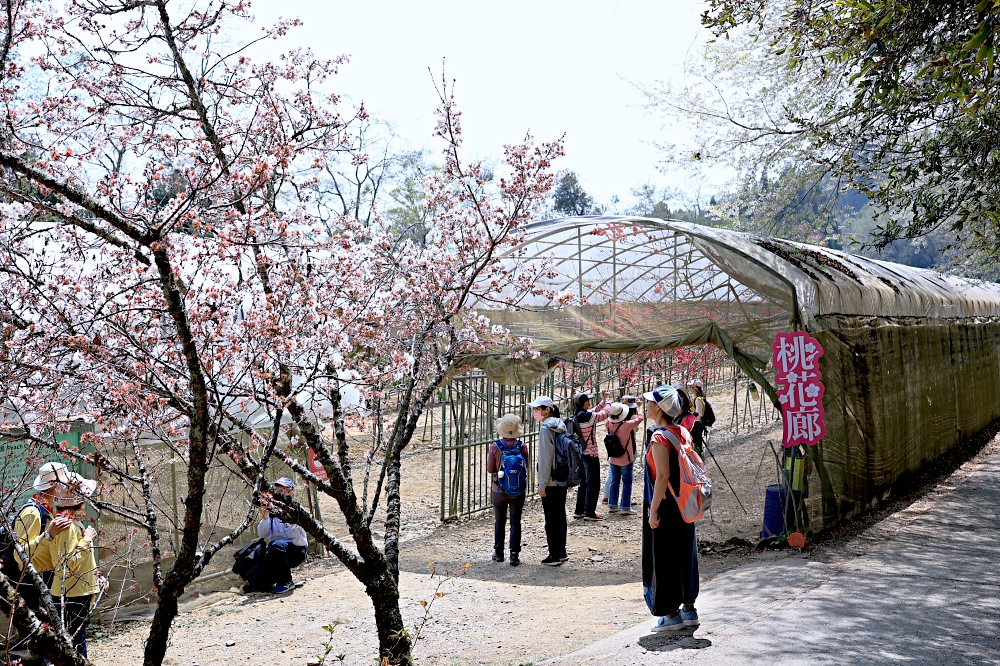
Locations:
(911, 365)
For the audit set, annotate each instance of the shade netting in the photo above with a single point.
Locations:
(911, 366)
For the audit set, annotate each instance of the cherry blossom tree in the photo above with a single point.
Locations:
(186, 320)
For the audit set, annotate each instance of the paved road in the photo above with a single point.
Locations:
(929, 594)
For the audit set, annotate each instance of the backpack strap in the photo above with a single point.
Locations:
(674, 439)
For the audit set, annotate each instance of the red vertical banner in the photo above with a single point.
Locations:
(315, 466)
(800, 387)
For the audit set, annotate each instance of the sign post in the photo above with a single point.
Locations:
(800, 387)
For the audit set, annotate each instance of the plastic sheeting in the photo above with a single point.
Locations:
(911, 368)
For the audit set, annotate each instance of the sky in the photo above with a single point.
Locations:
(551, 67)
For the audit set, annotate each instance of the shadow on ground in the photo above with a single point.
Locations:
(681, 640)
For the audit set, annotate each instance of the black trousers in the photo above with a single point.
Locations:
(554, 508)
(282, 556)
(502, 505)
(590, 490)
(669, 560)
(75, 612)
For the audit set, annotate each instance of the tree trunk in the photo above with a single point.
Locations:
(393, 639)
(159, 631)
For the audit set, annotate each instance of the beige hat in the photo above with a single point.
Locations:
(619, 412)
(82, 489)
(509, 426)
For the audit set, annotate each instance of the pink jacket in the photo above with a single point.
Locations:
(624, 431)
(590, 444)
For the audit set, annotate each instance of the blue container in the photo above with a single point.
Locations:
(774, 512)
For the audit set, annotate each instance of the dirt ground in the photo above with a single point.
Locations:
(489, 613)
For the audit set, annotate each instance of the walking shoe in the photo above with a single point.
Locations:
(515, 559)
(564, 558)
(498, 556)
(668, 623)
(250, 589)
(552, 561)
(284, 587)
(593, 517)
(628, 512)
(577, 516)
(690, 617)
(604, 500)
(612, 509)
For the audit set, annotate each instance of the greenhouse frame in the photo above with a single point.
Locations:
(911, 366)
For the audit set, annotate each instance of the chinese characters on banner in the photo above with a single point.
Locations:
(315, 466)
(796, 363)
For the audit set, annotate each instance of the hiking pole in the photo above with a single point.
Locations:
(712, 456)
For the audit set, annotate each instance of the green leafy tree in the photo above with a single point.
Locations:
(408, 209)
(570, 198)
(896, 98)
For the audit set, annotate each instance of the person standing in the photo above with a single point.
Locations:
(702, 407)
(35, 525)
(286, 548)
(507, 459)
(587, 420)
(669, 544)
(622, 422)
(689, 420)
(544, 412)
(76, 579)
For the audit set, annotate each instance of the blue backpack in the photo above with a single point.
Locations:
(8, 535)
(512, 478)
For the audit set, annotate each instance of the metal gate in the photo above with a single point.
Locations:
(471, 405)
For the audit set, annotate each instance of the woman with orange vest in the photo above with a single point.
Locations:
(669, 544)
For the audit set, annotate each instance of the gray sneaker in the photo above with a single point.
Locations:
(668, 623)
(690, 617)
(628, 512)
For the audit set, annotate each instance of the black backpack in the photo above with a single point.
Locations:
(613, 445)
(708, 418)
(249, 558)
(8, 535)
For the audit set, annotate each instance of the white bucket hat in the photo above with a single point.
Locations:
(82, 489)
(50, 474)
(619, 412)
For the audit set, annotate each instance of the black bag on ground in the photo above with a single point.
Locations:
(249, 558)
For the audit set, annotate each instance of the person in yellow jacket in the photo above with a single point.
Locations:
(76, 579)
(34, 526)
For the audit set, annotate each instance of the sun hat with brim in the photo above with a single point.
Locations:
(542, 401)
(580, 399)
(508, 426)
(683, 390)
(697, 383)
(666, 398)
(50, 474)
(619, 412)
(82, 488)
(285, 482)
